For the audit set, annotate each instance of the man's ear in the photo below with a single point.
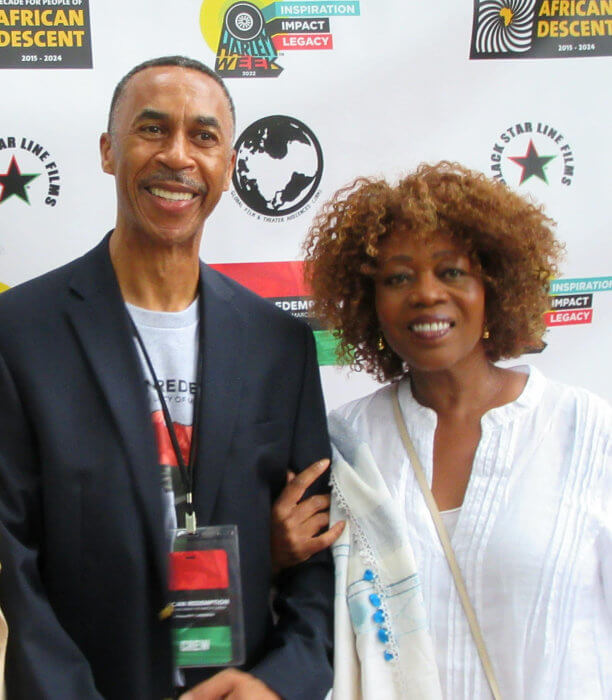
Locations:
(106, 154)
(230, 171)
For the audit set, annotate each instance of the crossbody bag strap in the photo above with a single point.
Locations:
(446, 546)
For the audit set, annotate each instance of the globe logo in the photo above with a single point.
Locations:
(279, 164)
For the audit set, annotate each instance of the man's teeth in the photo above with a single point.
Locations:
(430, 327)
(167, 194)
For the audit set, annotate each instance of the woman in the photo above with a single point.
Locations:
(429, 283)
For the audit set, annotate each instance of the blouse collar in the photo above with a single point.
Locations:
(501, 415)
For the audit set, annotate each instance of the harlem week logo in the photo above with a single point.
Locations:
(249, 37)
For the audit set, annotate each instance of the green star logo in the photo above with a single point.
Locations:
(532, 164)
(14, 183)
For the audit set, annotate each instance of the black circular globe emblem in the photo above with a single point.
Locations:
(244, 21)
(279, 164)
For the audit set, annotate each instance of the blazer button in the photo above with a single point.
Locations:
(166, 612)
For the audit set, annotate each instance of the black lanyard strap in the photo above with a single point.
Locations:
(186, 470)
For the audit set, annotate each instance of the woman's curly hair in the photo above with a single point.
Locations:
(510, 241)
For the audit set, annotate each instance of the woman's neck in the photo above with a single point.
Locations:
(471, 388)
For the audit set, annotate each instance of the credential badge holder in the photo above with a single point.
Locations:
(205, 592)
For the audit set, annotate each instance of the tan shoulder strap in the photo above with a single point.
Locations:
(446, 545)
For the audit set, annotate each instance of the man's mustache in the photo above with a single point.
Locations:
(175, 176)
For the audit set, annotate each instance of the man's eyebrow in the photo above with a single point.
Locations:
(207, 121)
(155, 115)
(151, 114)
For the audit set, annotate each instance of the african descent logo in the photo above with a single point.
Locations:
(39, 36)
(533, 154)
(279, 164)
(541, 28)
(28, 172)
(249, 37)
(503, 26)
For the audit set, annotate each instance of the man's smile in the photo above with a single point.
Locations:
(170, 194)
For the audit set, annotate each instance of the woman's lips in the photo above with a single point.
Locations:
(430, 329)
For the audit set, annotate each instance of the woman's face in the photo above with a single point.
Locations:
(429, 300)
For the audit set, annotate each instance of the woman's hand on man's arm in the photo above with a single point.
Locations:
(299, 527)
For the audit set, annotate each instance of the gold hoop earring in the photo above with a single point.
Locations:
(381, 342)
(485, 333)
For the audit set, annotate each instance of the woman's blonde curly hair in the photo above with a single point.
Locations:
(510, 241)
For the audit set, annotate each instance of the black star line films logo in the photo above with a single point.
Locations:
(279, 165)
(532, 152)
(541, 29)
(532, 164)
(28, 173)
(14, 183)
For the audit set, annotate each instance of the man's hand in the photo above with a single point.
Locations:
(231, 684)
(296, 523)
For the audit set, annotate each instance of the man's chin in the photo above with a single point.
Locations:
(171, 236)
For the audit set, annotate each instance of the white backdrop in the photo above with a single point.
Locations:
(397, 88)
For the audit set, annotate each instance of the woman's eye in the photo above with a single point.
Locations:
(453, 273)
(395, 279)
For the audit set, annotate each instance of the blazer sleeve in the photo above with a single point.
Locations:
(298, 663)
(42, 661)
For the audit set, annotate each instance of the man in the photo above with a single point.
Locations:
(83, 539)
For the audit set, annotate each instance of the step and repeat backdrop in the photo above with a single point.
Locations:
(325, 91)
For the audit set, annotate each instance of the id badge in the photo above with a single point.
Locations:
(204, 589)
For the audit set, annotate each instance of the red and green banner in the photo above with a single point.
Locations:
(283, 284)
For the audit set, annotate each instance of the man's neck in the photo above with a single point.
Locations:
(156, 277)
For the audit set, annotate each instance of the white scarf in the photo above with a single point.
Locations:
(382, 647)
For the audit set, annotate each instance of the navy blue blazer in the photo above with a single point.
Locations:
(81, 529)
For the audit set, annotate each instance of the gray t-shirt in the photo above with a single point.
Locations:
(171, 340)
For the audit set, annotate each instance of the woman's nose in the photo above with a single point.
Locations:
(427, 289)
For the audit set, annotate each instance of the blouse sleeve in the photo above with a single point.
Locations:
(605, 534)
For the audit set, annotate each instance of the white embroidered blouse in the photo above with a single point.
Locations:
(533, 539)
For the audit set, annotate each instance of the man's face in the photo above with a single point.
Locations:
(171, 153)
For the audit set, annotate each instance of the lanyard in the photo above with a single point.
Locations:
(186, 470)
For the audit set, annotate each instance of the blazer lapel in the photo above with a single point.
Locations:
(222, 339)
(99, 318)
